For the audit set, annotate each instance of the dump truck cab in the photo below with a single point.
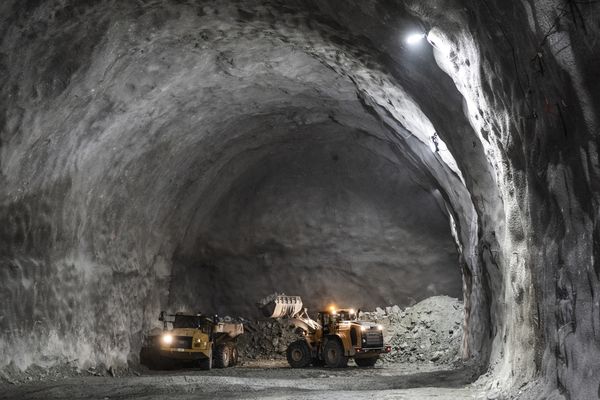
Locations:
(189, 338)
(192, 339)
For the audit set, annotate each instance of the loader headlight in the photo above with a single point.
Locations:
(363, 328)
(167, 339)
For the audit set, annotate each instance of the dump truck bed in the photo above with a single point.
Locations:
(231, 329)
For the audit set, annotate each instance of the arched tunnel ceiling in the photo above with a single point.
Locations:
(140, 126)
(126, 126)
(327, 212)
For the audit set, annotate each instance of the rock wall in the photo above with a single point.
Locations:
(129, 128)
(535, 113)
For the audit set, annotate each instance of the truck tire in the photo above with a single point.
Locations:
(234, 354)
(333, 354)
(148, 357)
(366, 362)
(298, 354)
(205, 364)
(154, 361)
(222, 356)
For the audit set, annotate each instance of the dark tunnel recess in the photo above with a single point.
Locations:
(328, 213)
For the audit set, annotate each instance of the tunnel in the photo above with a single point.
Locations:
(197, 155)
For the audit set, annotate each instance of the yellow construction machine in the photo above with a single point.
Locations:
(336, 336)
(194, 339)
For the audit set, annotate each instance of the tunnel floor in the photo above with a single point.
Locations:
(271, 379)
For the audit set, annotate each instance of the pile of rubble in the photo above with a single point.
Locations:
(265, 339)
(429, 331)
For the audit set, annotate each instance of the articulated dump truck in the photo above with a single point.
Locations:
(194, 339)
(336, 336)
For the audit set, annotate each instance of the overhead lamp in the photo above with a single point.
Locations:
(415, 38)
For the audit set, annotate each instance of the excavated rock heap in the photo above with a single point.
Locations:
(265, 339)
(430, 331)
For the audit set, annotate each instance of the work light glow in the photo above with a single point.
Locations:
(167, 339)
(415, 38)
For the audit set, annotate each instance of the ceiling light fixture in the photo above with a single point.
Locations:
(415, 38)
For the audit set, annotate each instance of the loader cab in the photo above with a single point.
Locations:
(330, 319)
(327, 319)
(347, 315)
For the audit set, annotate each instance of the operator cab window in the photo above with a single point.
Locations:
(346, 316)
(187, 321)
(325, 320)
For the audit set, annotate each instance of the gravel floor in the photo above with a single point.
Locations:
(262, 379)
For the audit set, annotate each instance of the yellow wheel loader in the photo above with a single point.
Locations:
(194, 339)
(336, 336)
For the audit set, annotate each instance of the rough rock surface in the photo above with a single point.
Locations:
(429, 331)
(125, 126)
(265, 339)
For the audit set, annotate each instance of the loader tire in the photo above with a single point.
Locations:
(366, 362)
(298, 354)
(317, 362)
(333, 354)
(222, 356)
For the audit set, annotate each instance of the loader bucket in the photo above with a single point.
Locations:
(281, 306)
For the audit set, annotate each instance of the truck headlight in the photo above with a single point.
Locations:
(167, 339)
(380, 327)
